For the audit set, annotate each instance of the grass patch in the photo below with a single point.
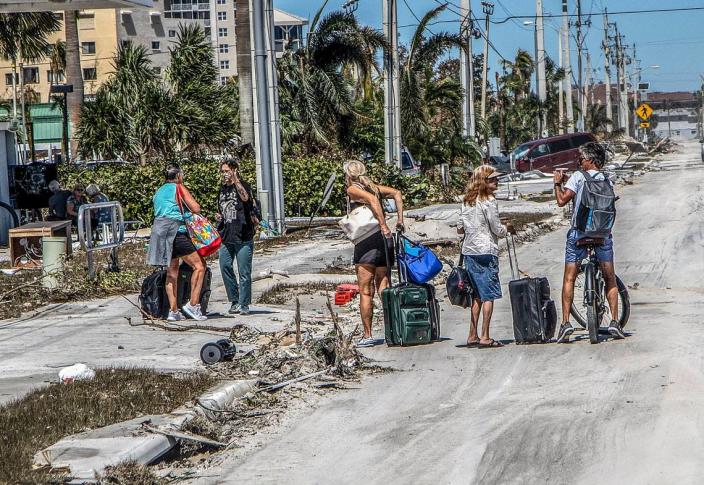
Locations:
(24, 292)
(129, 472)
(282, 293)
(46, 415)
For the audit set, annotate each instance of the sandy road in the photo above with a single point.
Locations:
(618, 412)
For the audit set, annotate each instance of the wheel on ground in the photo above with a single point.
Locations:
(593, 323)
(579, 309)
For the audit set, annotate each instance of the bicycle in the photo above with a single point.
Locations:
(594, 305)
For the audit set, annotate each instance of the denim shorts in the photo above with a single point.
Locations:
(483, 272)
(574, 254)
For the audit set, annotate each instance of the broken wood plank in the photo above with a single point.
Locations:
(186, 436)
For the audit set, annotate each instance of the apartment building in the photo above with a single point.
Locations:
(156, 28)
(98, 41)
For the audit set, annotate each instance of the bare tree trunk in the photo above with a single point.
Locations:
(244, 71)
(74, 76)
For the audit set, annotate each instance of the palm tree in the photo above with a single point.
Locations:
(431, 97)
(596, 119)
(57, 60)
(244, 72)
(23, 37)
(313, 86)
(139, 116)
(74, 74)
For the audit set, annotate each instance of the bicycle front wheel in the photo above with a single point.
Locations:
(579, 309)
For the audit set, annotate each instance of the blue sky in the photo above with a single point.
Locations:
(674, 41)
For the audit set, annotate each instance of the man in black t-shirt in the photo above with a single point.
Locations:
(237, 222)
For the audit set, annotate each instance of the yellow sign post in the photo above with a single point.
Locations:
(644, 111)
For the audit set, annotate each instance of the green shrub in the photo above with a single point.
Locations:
(305, 178)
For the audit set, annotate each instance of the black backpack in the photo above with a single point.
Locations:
(596, 212)
(152, 298)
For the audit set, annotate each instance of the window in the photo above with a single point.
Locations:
(580, 140)
(222, 32)
(222, 2)
(90, 74)
(86, 21)
(87, 47)
(172, 33)
(157, 71)
(224, 64)
(30, 75)
(279, 33)
(54, 77)
(560, 145)
(540, 150)
(8, 78)
(222, 16)
(156, 45)
(223, 80)
(224, 48)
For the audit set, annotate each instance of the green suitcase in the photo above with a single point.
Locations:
(406, 315)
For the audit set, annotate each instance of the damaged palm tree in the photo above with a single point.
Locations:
(347, 357)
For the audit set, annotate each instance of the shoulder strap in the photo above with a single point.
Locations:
(460, 263)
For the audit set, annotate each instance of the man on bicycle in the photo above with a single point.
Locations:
(591, 160)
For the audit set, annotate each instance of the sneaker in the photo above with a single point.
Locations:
(615, 330)
(193, 311)
(244, 310)
(566, 329)
(365, 342)
(176, 316)
(234, 308)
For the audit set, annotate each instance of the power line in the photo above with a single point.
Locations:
(621, 12)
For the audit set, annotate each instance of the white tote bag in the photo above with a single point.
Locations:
(359, 223)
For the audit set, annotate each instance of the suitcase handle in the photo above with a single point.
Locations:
(512, 258)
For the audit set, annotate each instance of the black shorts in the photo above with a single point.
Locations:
(371, 251)
(183, 246)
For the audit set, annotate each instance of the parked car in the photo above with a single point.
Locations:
(548, 154)
(500, 163)
(409, 166)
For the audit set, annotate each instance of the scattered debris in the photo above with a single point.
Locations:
(76, 372)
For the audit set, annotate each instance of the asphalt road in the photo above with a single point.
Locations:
(617, 412)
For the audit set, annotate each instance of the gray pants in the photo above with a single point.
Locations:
(242, 253)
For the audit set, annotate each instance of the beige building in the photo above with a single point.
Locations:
(100, 31)
(98, 39)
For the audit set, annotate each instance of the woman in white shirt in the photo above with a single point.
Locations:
(480, 223)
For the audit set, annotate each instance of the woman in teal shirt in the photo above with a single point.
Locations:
(170, 241)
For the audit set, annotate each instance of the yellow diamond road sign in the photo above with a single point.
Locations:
(644, 111)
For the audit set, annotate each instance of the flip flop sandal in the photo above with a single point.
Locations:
(473, 345)
(495, 344)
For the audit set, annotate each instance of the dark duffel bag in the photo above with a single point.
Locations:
(152, 297)
(459, 287)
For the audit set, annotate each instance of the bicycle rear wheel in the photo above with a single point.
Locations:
(579, 309)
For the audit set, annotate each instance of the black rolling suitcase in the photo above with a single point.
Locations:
(184, 287)
(534, 313)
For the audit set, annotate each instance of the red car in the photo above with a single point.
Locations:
(548, 154)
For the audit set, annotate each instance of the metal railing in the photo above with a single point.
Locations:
(111, 239)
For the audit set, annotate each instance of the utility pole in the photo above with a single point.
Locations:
(585, 95)
(567, 67)
(488, 9)
(266, 116)
(560, 90)
(607, 71)
(622, 101)
(467, 70)
(392, 96)
(580, 86)
(635, 75)
(540, 46)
